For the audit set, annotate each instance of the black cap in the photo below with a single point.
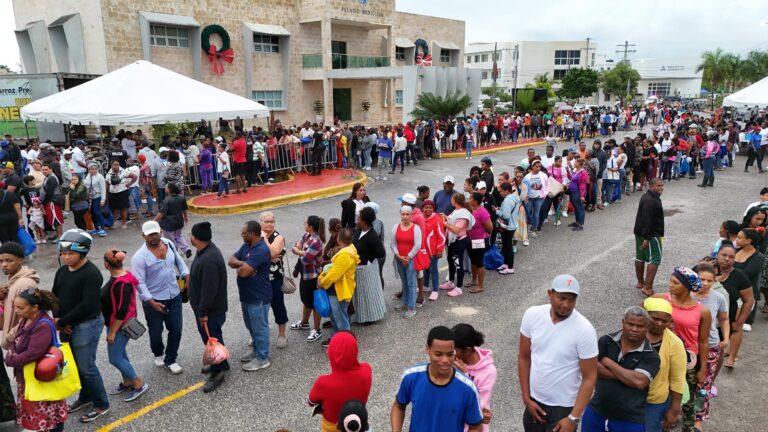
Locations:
(353, 417)
(202, 231)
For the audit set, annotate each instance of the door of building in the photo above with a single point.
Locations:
(342, 104)
(339, 54)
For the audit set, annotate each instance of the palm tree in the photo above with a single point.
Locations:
(754, 67)
(716, 66)
(542, 81)
(430, 106)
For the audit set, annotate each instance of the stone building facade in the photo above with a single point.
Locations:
(288, 54)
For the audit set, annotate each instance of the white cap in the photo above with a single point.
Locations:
(408, 198)
(219, 139)
(151, 227)
(67, 152)
(449, 179)
(565, 283)
(481, 185)
(162, 149)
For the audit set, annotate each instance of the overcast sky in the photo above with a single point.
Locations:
(659, 28)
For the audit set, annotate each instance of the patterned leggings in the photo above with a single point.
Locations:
(712, 357)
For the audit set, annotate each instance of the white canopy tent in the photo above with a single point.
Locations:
(141, 93)
(754, 95)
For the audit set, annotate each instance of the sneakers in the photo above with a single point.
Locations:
(93, 232)
(314, 335)
(433, 296)
(410, 313)
(119, 389)
(248, 357)
(507, 271)
(455, 292)
(175, 368)
(299, 326)
(93, 415)
(135, 393)
(101, 233)
(282, 342)
(420, 302)
(447, 286)
(159, 362)
(526, 243)
(502, 267)
(746, 327)
(255, 365)
(565, 214)
(531, 233)
(556, 223)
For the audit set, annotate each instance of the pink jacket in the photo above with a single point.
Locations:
(483, 374)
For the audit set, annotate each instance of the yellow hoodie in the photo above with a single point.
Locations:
(342, 273)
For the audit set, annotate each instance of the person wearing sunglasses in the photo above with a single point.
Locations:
(77, 284)
(33, 337)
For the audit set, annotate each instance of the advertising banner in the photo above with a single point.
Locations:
(14, 94)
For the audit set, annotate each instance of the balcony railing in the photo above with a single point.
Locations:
(344, 61)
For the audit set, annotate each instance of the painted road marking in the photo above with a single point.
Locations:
(149, 408)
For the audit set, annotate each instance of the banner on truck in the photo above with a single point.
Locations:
(14, 94)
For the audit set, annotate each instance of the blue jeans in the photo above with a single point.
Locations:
(708, 165)
(576, 135)
(591, 421)
(160, 197)
(172, 321)
(534, 208)
(610, 187)
(339, 317)
(135, 197)
(223, 186)
(98, 218)
(468, 149)
(118, 356)
(84, 343)
(256, 318)
(578, 207)
(215, 323)
(432, 274)
(150, 200)
(408, 280)
(654, 414)
(367, 157)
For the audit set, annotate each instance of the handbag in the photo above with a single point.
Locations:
(555, 187)
(66, 383)
(133, 328)
(214, 352)
(321, 303)
(289, 285)
(421, 261)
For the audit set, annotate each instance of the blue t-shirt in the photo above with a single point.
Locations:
(256, 288)
(442, 202)
(445, 408)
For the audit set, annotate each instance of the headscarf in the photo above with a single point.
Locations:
(688, 278)
(655, 304)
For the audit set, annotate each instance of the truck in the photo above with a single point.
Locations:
(17, 90)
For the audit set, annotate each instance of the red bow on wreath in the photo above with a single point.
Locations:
(218, 58)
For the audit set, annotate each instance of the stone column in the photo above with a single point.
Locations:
(325, 35)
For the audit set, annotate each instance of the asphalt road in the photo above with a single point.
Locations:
(600, 257)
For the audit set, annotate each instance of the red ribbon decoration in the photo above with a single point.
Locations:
(218, 58)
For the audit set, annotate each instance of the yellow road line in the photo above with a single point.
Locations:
(149, 408)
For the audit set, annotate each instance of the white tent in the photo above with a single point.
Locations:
(754, 95)
(141, 93)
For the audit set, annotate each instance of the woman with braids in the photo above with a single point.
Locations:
(35, 333)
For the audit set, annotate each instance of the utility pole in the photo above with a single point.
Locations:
(626, 51)
(494, 74)
(587, 50)
(514, 85)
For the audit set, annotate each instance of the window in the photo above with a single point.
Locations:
(398, 98)
(567, 57)
(485, 75)
(484, 58)
(265, 43)
(659, 89)
(399, 53)
(445, 56)
(559, 74)
(498, 56)
(477, 59)
(270, 99)
(607, 97)
(165, 36)
(469, 59)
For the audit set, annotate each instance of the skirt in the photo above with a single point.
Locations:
(39, 416)
(368, 299)
(119, 201)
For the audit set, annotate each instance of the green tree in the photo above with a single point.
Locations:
(428, 105)
(542, 81)
(753, 68)
(615, 80)
(579, 83)
(717, 65)
(526, 104)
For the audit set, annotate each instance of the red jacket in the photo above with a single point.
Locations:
(409, 135)
(435, 234)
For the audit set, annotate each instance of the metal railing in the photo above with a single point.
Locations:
(311, 61)
(344, 61)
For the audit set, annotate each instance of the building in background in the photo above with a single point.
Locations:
(303, 59)
(664, 77)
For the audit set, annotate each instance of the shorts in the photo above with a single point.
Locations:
(240, 168)
(476, 256)
(53, 216)
(307, 292)
(652, 255)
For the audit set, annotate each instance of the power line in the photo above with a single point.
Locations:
(626, 49)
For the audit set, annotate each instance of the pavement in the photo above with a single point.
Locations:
(600, 257)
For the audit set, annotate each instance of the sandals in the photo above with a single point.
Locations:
(645, 293)
(92, 416)
(476, 290)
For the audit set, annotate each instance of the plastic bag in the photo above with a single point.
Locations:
(322, 304)
(493, 258)
(26, 241)
(214, 352)
(60, 388)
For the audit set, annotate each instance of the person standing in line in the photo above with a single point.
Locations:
(508, 214)
(158, 267)
(223, 169)
(208, 297)
(457, 226)
(434, 240)
(239, 163)
(339, 281)
(557, 360)
(405, 244)
(97, 195)
(52, 201)
(310, 252)
(158, 170)
(77, 284)
(399, 148)
(118, 306)
(276, 244)
(442, 198)
(117, 181)
(477, 364)
(649, 233)
(384, 147)
(251, 263)
(145, 185)
(368, 299)
(172, 218)
(443, 398)
(665, 393)
(626, 368)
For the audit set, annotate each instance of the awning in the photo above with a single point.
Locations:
(447, 45)
(172, 20)
(268, 29)
(404, 42)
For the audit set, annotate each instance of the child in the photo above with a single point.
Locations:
(172, 218)
(36, 215)
(223, 169)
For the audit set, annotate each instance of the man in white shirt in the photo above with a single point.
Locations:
(548, 160)
(148, 152)
(129, 145)
(557, 360)
(133, 188)
(79, 164)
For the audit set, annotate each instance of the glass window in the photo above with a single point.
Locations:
(477, 59)
(659, 89)
(265, 43)
(484, 58)
(567, 57)
(469, 59)
(398, 97)
(399, 53)
(445, 56)
(269, 98)
(559, 74)
(485, 74)
(166, 36)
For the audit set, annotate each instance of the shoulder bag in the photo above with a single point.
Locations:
(289, 285)
(133, 328)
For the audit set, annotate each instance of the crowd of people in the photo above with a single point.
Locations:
(660, 366)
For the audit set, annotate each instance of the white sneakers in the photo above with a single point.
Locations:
(159, 362)
(174, 368)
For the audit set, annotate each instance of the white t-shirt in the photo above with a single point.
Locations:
(78, 156)
(135, 170)
(547, 162)
(764, 134)
(555, 353)
(32, 154)
(222, 163)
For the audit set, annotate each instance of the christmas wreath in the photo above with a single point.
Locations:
(423, 58)
(215, 55)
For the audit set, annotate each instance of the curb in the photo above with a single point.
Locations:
(484, 151)
(280, 201)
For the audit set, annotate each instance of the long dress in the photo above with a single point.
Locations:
(368, 299)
